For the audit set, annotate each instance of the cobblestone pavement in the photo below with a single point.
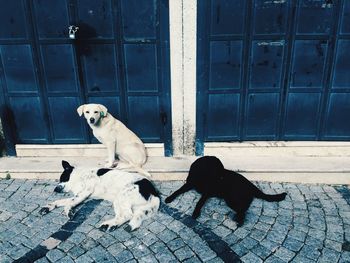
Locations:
(311, 225)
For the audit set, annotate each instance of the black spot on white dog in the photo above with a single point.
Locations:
(146, 188)
(68, 169)
(102, 171)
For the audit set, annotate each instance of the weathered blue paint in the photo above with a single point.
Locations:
(273, 70)
(120, 58)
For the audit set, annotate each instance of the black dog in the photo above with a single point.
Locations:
(208, 176)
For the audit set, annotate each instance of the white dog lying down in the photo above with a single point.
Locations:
(134, 197)
(118, 139)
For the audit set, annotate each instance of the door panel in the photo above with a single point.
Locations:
(138, 76)
(345, 21)
(17, 61)
(337, 118)
(28, 118)
(225, 66)
(262, 114)
(308, 64)
(13, 20)
(314, 17)
(95, 18)
(144, 110)
(98, 77)
(223, 116)
(341, 77)
(65, 120)
(59, 68)
(51, 18)
(270, 17)
(139, 19)
(227, 17)
(266, 65)
(302, 115)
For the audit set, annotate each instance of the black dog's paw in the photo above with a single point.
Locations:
(168, 200)
(43, 211)
(239, 218)
(196, 214)
(104, 227)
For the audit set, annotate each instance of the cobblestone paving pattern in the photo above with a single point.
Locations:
(311, 225)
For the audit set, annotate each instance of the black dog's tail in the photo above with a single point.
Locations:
(271, 198)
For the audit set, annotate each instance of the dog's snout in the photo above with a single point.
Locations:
(92, 120)
(59, 189)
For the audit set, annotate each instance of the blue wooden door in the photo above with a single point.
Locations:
(273, 70)
(119, 58)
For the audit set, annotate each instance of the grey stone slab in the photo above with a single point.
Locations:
(261, 251)
(184, 253)
(116, 248)
(284, 254)
(17, 251)
(156, 227)
(158, 246)
(193, 260)
(251, 258)
(147, 259)
(239, 249)
(310, 252)
(84, 259)
(76, 252)
(149, 239)
(66, 259)
(166, 235)
(54, 255)
(106, 240)
(176, 244)
(166, 256)
(5, 259)
(140, 251)
(257, 234)
(222, 231)
(249, 243)
(99, 254)
(41, 260)
(274, 259)
(329, 255)
(65, 246)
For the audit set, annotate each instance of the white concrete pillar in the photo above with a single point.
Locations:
(183, 37)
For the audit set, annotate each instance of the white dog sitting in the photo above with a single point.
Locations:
(118, 139)
(134, 197)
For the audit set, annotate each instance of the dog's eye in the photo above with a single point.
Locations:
(95, 111)
(87, 112)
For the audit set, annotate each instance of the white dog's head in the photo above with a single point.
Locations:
(92, 112)
(72, 179)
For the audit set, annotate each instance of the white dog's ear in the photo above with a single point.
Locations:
(80, 109)
(103, 110)
(66, 165)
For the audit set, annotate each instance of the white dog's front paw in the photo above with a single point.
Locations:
(111, 224)
(133, 224)
(107, 227)
(68, 211)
